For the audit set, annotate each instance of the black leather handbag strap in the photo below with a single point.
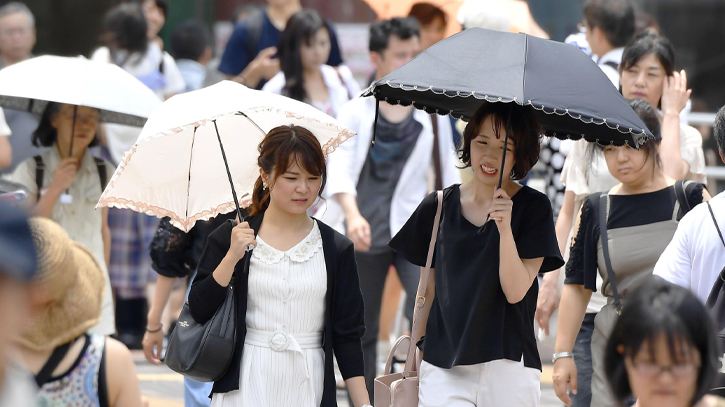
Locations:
(55, 358)
(603, 215)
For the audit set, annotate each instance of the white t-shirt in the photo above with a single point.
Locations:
(4, 128)
(695, 256)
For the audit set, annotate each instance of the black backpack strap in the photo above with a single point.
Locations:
(39, 172)
(102, 380)
(712, 215)
(681, 195)
(612, 64)
(55, 358)
(102, 174)
(603, 215)
(254, 33)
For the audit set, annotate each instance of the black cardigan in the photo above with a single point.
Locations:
(344, 322)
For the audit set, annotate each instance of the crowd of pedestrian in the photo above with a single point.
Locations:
(329, 243)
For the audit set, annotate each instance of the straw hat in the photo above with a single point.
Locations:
(74, 284)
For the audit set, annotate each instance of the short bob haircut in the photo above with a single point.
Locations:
(45, 135)
(648, 115)
(526, 134)
(660, 308)
(301, 27)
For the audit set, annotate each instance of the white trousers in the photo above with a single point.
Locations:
(500, 383)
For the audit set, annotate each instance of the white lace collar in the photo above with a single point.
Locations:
(300, 253)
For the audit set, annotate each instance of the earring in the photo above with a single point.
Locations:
(264, 185)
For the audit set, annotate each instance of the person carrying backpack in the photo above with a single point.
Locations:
(66, 182)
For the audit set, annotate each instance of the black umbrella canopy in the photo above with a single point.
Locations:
(572, 98)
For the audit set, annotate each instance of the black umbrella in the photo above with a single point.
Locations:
(571, 97)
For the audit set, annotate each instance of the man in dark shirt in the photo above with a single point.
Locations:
(250, 55)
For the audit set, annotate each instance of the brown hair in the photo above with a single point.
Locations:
(426, 13)
(282, 147)
(525, 134)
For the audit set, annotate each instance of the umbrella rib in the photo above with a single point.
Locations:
(229, 173)
(252, 121)
(188, 182)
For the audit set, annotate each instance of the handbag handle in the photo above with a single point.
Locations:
(410, 360)
(603, 215)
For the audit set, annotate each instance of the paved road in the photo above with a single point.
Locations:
(164, 388)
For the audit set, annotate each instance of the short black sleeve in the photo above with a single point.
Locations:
(168, 250)
(694, 193)
(413, 240)
(537, 238)
(581, 269)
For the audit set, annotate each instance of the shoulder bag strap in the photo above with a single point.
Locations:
(603, 215)
(420, 296)
(712, 215)
(39, 170)
(101, 165)
(436, 154)
(55, 358)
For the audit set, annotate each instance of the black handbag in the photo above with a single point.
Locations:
(203, 351)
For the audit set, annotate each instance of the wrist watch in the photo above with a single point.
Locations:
(562, 355)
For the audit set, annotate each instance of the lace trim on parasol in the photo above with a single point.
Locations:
(181, 223)
(639, 138)
(328, 148)
(187, 224)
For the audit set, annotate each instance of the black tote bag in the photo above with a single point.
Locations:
(203, 351)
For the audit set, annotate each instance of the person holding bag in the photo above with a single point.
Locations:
(297, 293)
(479, 347)
(621, 232)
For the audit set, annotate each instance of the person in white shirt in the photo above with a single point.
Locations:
(375, 190)
(304, 47)
(696, 256)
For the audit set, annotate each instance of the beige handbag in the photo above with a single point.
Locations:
(401, 389)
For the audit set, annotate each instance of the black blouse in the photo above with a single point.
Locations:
(344, 322)
(470, 320)
(624, 211)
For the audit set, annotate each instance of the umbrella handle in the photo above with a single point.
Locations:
(73, 130)
(482, 229)
(229, 174)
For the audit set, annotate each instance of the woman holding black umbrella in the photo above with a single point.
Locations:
(640, 215)
(479, 343)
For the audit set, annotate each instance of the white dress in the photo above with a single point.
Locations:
(283, 360)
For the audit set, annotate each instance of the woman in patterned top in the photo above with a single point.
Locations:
(70, 366)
